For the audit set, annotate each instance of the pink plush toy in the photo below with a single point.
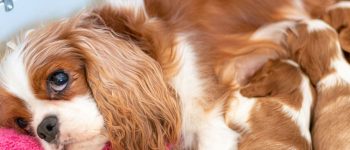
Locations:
(12, 140)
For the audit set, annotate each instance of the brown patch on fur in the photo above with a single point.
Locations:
(74, 68)
(275, 85)
(12, 108)
(312, 50)
(330, 126)
(272, 129)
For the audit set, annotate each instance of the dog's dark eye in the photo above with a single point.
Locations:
(21, 123)
(58, 81)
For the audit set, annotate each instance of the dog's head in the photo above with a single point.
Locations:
(94, 78)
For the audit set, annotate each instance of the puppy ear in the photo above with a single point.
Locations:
(259, 85)
(139, 108)
(257, 89)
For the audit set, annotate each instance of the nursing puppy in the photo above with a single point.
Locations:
(316, 47)
(273, 110)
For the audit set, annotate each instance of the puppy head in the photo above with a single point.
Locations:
(90, 79)
(275, 78)
(314, 45)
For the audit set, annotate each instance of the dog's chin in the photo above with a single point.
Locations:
(94, 143)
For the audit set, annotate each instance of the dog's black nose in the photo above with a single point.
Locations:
(48, 129)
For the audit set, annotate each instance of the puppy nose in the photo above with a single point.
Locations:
(48, 129)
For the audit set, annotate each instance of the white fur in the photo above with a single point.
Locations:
(317, 25)
(273, 32)
(302, 117)
(341, 74)
(190, 88)
(127, 3)
(79, 116)
(342, 4)
(137, 6)
(217, 135)
(341, 66)
(239, 110)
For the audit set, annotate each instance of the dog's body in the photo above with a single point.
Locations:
(148, 72)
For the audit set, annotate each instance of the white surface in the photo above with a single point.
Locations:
(30, 13)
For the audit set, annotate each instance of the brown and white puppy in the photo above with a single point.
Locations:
(316, 47)
(273, 111)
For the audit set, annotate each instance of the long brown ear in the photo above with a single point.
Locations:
(139, 108)
(150, 34)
